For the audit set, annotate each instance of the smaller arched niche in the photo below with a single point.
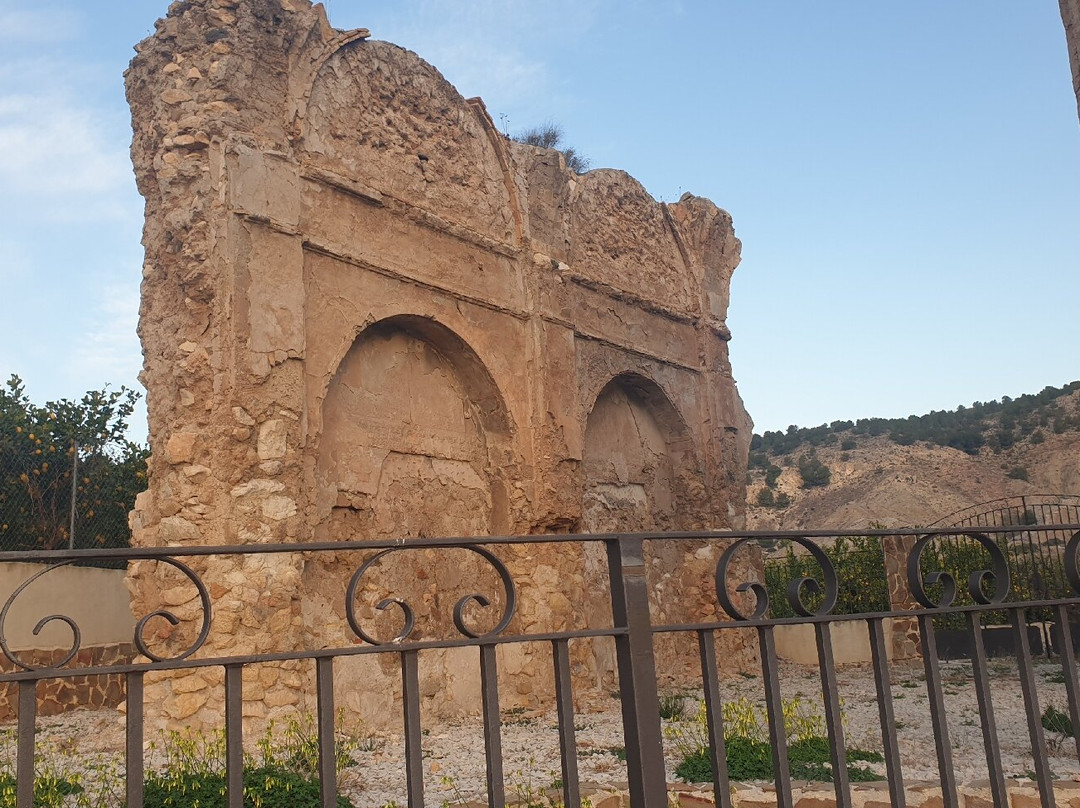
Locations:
(636, 460)
(410, 421)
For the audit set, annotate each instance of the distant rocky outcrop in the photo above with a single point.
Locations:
(875, 480)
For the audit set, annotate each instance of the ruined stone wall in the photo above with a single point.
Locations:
(1070, 16)
(366, 314)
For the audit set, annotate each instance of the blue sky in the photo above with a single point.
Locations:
(905, 177)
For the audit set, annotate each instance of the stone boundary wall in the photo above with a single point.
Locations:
(1022, 794)
(850, 641)
(57, 696)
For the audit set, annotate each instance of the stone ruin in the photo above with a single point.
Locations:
(367, 314)
(1070, 18)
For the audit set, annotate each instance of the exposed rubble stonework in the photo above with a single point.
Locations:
(366, 314)
(1070, 17)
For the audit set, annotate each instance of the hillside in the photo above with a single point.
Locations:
(1029, 445)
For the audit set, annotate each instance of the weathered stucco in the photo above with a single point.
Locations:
(366, 314)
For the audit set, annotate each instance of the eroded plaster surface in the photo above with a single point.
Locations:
(366, 314)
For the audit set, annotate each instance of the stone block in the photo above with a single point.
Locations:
(272, 439)
(180, 448)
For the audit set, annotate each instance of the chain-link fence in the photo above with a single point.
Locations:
(55, 495)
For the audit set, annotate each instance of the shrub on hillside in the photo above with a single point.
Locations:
(813, 472)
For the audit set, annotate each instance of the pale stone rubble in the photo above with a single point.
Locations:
(454, 750)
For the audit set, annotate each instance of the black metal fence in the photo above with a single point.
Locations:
(1036, 557)
(744, 605)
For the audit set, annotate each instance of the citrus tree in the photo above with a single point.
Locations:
(41, 448)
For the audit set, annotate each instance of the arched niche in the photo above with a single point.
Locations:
(413, 432)
(415, 442)
(639, 475)
(638, 459)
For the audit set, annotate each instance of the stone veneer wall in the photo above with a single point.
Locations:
(57, 696)
(366, 314)
(1022, 794)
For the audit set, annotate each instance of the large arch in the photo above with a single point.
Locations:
(414, 440)
(638, 461)
(413, 430)
(640, 474)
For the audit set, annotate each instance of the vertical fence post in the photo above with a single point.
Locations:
(24, 762)
(637, 673)
(74, 492)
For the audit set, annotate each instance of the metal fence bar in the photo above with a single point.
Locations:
(234, 735)
(1068, 670)
(986, 710)
(24, 762)
(714, 717)
(324, 695)
(134, 764)
(564, 700)
(879, 656)
(414, 752)
(633, 634)
(833, 721)
(1031, 706)
(637, 673)
(774, 708)
(489, 694)
(936, 698)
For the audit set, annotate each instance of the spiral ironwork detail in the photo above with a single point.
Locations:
(204, 632)
(998, 574)
(76, 633)
(409, 616)
(828, 588)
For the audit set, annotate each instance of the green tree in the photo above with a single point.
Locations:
(772, 474)
(39, 447)
(813, 472)
(859, 562)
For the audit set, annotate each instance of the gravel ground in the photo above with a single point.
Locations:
(454, 753)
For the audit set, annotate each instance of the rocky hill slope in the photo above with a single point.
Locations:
(876, 480)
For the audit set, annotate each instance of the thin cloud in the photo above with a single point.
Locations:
(110, 353)
(110, 350)
(14, 261)
(48, 146)
(34, 26)
(491, 48)
(57, 153)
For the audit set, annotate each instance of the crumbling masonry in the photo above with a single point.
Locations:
(366, 314)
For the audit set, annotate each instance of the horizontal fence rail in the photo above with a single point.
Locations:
(743, 596)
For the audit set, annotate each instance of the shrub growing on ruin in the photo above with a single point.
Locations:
(550, 136)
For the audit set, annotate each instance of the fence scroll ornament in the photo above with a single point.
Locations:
(795, 589)
(140, 626)
(509, 591)
(998, 575)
